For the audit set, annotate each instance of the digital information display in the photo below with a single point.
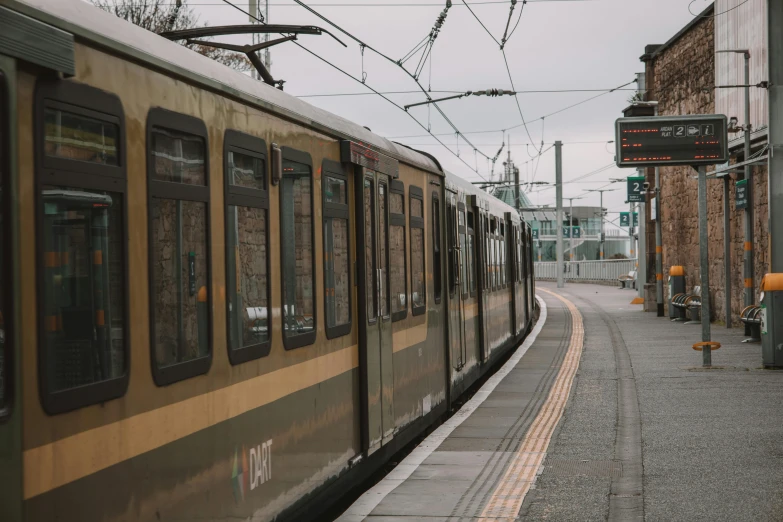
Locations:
(671, 140)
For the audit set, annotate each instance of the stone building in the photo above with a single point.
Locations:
(682, 75)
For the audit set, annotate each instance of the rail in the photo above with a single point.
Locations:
(607, 270)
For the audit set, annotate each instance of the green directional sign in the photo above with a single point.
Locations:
(636, 219)
(566, 232)
(741, 194)
(577, 233)
(636, 189)
(535, 233)
(625, 219)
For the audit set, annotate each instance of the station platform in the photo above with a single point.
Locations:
(603, 413)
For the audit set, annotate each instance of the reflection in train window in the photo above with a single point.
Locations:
(418, 282)
(296, 236)
(179, 253)
(436, 261)
(247, 277)
(83, 287)
(78, 137)
(337, 276)
(471, 255)
(179, 247)
(247, 247)
(397, 251)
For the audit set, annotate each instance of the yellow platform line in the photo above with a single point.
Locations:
(506, 501)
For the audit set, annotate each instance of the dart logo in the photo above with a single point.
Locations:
(251, 469)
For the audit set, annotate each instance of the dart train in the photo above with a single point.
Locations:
(219, 302)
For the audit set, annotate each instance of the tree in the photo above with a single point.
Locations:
(163, 15)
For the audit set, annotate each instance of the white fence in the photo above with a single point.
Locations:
(608, 270)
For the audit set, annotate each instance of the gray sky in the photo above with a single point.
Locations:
(558, 45)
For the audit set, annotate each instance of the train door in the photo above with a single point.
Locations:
(376, 332)
(10, 412)
(456, 305)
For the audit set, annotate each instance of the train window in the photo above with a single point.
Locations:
(247, 251)
(370, 280)
(180, 301)
(493, 256)
(451, 236)
(82, 236)
(436, 260)
(461, 221)
(485, 257)
(337, 278)
(6, 384)
(502, 258)
(399, 302)
(383, 261)
(298, 254)
(471, 255)
(418, 281)
(79, 137)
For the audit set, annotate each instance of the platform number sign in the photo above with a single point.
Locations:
(577, 232)
(535, 233)
(636, 219)
(625, 219)
(567, 232)
(636, 189)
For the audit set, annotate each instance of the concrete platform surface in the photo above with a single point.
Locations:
(603, 414)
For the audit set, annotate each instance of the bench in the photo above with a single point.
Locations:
(751, 317)
(628, 280)
(689, 302)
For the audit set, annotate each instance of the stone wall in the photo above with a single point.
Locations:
(677, 76)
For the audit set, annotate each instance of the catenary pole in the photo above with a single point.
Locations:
(559, 214)
(748, 247)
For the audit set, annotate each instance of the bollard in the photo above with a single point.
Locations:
(772, 320)
(202, 313)
(676, 286)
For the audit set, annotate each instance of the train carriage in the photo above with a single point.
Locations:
(217, 300)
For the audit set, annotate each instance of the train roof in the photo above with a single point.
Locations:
(90, 24)
(487, 201)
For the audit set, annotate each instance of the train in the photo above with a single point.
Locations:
(218, 301)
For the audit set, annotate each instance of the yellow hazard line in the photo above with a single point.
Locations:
(506, 500)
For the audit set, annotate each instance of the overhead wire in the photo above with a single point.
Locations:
(372, 89)
(379, 53)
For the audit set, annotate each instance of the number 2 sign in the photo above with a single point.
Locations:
(636, 189)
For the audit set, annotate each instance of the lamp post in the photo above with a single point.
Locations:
(571, 228)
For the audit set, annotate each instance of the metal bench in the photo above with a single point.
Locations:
(628, 280)
(689, 302)
(751, 317)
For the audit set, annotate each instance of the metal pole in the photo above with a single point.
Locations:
(775, 172)
(705, 267)
(630, 235)
(516, 189)
(642, 249)
(601, 231)
(658, 243)
(749, 299)
(559, 199)
(727, 248)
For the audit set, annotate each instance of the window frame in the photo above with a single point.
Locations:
(418, 222)
(164, 118)
(437, 256)
(333, 169)
(245, 144)
(9, 374)
(76, 98)
(473, 284)
(465, 265)
(306, 339)
(399, 220)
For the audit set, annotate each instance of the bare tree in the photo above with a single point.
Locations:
(164, 15)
